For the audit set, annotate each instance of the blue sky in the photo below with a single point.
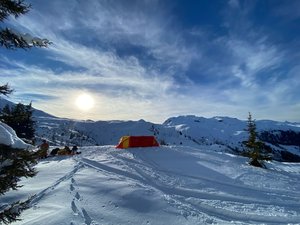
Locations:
(153, 59)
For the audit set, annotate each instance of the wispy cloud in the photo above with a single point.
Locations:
(251, 59)
(138, 62)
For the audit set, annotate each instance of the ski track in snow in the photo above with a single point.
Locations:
(76, 208)
(51, 188)
(200, 196)
(182, 194)
(196, 202)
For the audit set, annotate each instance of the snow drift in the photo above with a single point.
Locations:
(159, 185)
(9, 137)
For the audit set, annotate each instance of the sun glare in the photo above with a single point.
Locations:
(84, 102)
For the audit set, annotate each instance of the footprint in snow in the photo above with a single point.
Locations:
(87, 219)
(72, 187)
(77, 196)
(74, 208)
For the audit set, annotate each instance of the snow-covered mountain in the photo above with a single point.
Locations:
(282, 137)
(225, 132)
(195, 178)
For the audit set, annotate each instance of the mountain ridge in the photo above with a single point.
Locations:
(190, 130)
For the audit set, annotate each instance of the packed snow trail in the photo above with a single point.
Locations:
(163, 185)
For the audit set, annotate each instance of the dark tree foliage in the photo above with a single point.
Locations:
(281, 137)
(14, 164)
(256, 150)
(20, 119)
(289, 157)
(10, 213)
(5, 90)
(15, 8)
(12, 39)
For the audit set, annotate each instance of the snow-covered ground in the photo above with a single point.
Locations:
(9, 137)
(159, 185)
(193, 181)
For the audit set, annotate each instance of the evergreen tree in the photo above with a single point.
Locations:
(6, 114)
(5, 89)
(256, 150)
(15, 163)
(20, 119)
(12, 39)
(30, 123)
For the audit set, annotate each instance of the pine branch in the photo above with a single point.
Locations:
(13, 40)
(12, 7)
(5, 90)
(14, 164)
(10, 213)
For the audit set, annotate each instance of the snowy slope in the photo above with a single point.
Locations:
(223, 129)
(282, 137)
(36, 112)
(161, 185)
(228, 133)
(4, 102)
(9, 137)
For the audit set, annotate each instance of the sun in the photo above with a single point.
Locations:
(85, 102)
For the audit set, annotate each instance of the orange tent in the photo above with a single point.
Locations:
(137, 141)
